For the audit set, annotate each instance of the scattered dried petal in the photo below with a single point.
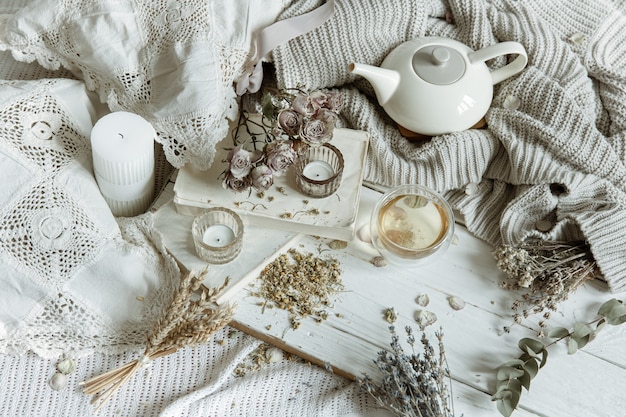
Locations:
(390, 315)
(422, 300)
(66, 366)
(274, 355)
(577, 38)
(364, 234)
(471, 188)
(425, 318)
(380, 261)
(457, 303)
(338, 244)
(512, 102)
(58, 381)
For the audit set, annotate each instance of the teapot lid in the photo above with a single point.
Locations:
(438, 64)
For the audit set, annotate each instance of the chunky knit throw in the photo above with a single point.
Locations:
(550, 164)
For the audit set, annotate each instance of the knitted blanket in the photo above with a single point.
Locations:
(550, 164)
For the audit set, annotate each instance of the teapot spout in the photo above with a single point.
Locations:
(384, 81)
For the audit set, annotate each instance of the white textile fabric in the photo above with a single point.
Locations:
(171, 61)
(557, 157)
(71, 276)
(196, 382)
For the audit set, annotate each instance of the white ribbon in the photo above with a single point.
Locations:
(276, 34)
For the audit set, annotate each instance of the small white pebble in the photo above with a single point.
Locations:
(457, 303)
(512, 103)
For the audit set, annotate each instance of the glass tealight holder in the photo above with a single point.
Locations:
(411, 224)
(318, 171)
(217, 235)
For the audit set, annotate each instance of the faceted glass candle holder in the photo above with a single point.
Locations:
(410, 224)
(318, 171)
(217, 235)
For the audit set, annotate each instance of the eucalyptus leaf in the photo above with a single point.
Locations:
(507, 396)
(572, 346)
(533, 345)
(581, 330)
(513, 363)
(558, 333)
(525, 380)
(614, 311)
(508, 372)
(505, 407)
(544, 358)
(531, 367)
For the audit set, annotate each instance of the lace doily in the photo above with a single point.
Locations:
(171, 61)
(72, 277)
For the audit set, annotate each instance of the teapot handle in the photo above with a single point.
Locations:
(498, 49)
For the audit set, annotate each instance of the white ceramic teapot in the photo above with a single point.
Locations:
(434, 85)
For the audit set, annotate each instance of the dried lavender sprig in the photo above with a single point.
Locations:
(412, 384)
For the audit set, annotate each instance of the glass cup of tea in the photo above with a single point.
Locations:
(410, 224)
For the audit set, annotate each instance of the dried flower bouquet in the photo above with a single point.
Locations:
(192, 317)
(545, 273)
(289, 119)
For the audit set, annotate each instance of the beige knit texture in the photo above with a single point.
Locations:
(568, 134)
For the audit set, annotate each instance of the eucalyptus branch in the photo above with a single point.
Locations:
(516, 374)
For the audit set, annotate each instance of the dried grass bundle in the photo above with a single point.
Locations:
(192, 317)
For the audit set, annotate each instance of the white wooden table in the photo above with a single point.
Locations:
(588, 383)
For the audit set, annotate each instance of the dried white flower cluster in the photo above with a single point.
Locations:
(545, 272)
(302, 284)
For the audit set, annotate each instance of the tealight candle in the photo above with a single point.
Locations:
(217, 235)
(318, 171)
(122, 145)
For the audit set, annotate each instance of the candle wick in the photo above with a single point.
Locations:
(122, 136)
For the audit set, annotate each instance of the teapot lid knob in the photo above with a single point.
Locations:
(438, 64)
(440, 55)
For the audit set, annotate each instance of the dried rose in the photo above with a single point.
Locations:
(262, 178)
(319, 130)
(240, 162)
(289, 120)
(304, 105)
(319, 99)
(334, 101)
(279, 155)
(236, 184)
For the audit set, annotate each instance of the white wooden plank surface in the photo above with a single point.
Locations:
(584, 384)
(589, 383)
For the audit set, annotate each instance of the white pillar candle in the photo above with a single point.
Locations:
(122, 145)
(218, 235)
(318, 170)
